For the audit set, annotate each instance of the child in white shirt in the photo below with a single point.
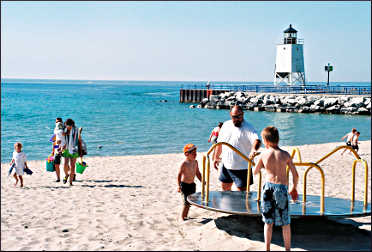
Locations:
(19, 158)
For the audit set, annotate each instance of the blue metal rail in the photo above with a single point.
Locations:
(307, 89)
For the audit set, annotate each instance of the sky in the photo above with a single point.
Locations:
(188, 41)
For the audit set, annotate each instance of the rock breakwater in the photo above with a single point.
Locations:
(333, 104)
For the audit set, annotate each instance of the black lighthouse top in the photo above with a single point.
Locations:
(290, 35)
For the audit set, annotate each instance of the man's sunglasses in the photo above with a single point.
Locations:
(237, 116)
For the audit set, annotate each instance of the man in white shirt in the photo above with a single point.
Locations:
(241, 135)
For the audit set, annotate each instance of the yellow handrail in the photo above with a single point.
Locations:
(339, 148)
(294, 150)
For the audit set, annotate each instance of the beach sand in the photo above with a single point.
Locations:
(131, 203)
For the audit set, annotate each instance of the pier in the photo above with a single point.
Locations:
(195, 93)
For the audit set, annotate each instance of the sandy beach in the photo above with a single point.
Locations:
(131, 203)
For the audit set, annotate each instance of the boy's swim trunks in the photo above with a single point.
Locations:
(186, 190)
(274, 204)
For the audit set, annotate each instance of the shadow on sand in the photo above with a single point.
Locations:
(311, 233)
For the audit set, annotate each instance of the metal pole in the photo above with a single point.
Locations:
(328, 75)
(328, 78)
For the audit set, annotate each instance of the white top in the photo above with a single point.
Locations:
(20, 159)
(349, 137)
(242, 138)
(61, 137)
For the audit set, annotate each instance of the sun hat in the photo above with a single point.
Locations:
(189, 147)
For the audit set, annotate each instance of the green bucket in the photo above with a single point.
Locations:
(80, 167)
(50, 166)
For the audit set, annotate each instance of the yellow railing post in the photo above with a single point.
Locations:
(259, 186)
(365, 182)
(249, 176)
(304, 186)
(203, 178)
(208, 172)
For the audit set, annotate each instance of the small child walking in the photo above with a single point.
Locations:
(186, 174)
(274, 200)
(19, 158)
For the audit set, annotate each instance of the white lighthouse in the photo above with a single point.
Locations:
(289, 64)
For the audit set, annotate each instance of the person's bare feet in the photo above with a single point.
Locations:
(15, 184)
(21, 185)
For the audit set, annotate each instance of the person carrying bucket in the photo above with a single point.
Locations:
(73, 143)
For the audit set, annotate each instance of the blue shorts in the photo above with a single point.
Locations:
(274, 204)
(239, 177)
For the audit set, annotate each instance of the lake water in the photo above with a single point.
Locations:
(128, 118)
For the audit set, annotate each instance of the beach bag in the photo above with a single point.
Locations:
(80, 166)
(50, 164)
(83, 150)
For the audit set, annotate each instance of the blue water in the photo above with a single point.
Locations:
(127, 118)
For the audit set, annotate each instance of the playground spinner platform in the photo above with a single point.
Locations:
(248, 203)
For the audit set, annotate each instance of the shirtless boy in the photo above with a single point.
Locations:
(274, 201)
(349, 138)
(188, 169)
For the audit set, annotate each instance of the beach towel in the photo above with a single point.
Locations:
(72, 141)
(11, 168)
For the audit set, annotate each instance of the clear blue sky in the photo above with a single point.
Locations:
(181, 40)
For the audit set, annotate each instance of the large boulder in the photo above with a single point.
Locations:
(254, 100)
(348, 110)
(213, 99)
(291, 101)
(267, 101)
(241, 99)
(319, 103)
(367, 101)
(363, 111)
(204, 101)
(329, 102)
(315, 108)
(334, 109)
(301, 100)
(356, 102)
(224, 95)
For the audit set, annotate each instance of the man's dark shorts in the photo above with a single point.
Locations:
(274, 204)
(348, 143)
(57, 158)
(239, 177)
(186, 190)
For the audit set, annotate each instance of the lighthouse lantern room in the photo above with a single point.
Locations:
(289, 64)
